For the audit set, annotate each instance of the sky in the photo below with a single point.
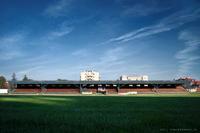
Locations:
(57, 39)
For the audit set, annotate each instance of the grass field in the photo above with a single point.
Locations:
(67, 114)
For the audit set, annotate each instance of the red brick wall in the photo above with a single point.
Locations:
(62, 90)
(93, 90)
(111, 90)
(124, 90)
(28, 90)
(177, 89)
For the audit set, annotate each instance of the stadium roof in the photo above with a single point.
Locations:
(103, 82)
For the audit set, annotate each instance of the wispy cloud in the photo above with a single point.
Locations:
(189, 56)
(8, 55)
(112, 56)
(58, 8)
(111, 62)
(169, 23)
(10, 39)
(33, 67)
(143, 9)
(107, 63)
(28, 71)
(60, 31)
(10, 46)
(81, 52)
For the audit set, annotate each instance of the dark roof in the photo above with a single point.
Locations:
(102, 82)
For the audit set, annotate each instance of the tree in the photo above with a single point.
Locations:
(14, 77)
(61, 79)
(25, 78)
(2, 81)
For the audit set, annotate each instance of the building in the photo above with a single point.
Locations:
(89, 76)
(103, 86)
(134, 78)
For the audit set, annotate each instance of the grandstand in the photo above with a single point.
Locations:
(105, 87)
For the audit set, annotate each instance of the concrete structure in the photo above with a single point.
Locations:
(134, 78)
(89, 76)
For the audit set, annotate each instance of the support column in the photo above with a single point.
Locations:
(12, 86)
(118, 88)
(156, 87)
(81, 89)
(43, 88)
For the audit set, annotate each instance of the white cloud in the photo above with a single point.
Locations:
(112, 55)
(143, 9)
(10, 46)
(38, 67)
(81, 53)
(188, 56)
(60, 31)
(111, 62)
(58, 8)
(169, 23)
(28, 71)
(8, 55)
(10, 39)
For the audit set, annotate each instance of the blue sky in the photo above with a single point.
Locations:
(51, 39)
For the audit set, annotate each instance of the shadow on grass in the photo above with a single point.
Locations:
(98, 114)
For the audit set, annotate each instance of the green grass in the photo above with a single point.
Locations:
(66, 114)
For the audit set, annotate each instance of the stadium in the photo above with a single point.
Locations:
(90, 83)
(130, 104)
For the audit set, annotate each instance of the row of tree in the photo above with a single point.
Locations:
(4, 83)
(25, 78)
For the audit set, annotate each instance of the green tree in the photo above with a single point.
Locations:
(14, 77)
(25, 78)
(2, 81)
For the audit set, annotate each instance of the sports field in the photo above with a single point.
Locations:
(103, 114)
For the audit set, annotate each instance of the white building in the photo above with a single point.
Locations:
(134, 78)
(89, 76)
